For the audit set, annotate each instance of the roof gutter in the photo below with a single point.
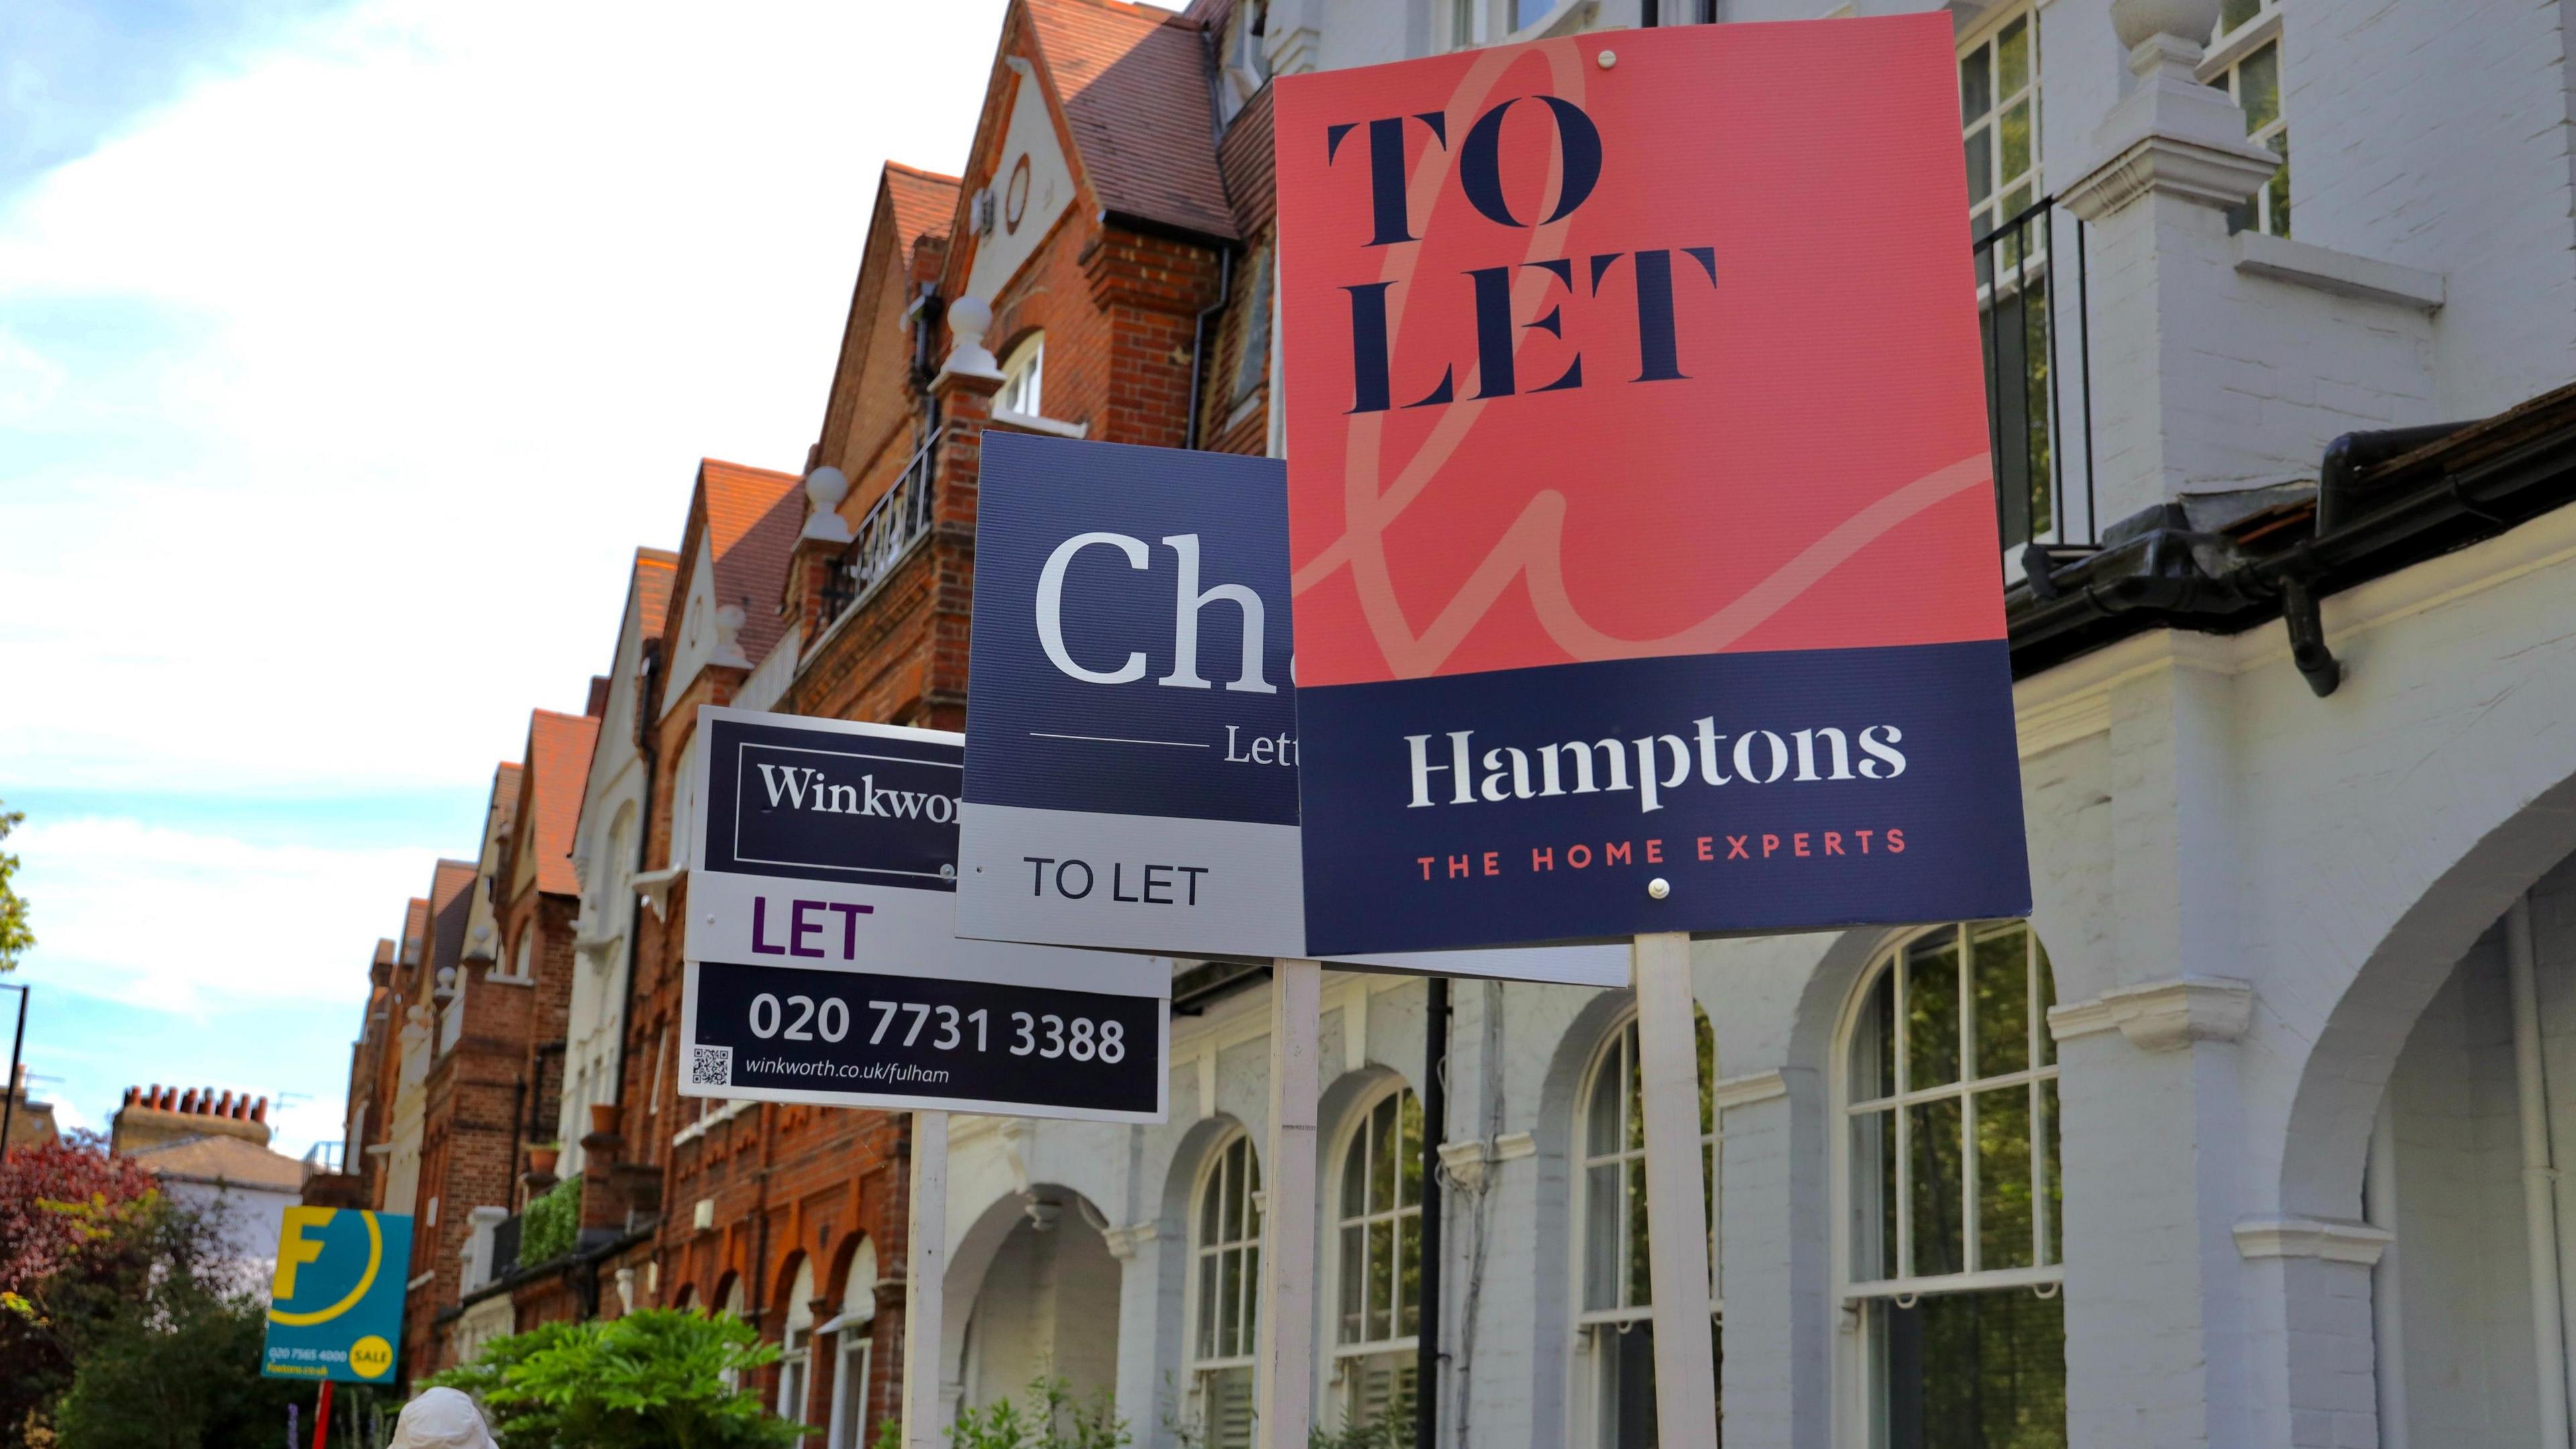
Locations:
(2375, 514)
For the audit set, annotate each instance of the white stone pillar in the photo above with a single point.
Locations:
(1774, 1245)
(2166, 164)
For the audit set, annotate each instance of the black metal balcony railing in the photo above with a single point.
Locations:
(892, 525)
(2034, 322)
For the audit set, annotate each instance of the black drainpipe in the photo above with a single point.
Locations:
(1198, 337)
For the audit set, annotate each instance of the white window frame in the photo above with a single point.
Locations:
(1856, 1404)
(1594, 1325)
(1235, 1153)
(796, 1347)
(854, 1350)
(1345, 1358)
(1989, 36)
(1024, 378)
(2223, 66)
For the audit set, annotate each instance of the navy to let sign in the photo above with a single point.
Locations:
(823, 961)
(1131, 731)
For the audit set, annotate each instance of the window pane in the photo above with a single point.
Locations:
(1209, 1271)
(1233, 1183)
(2056, 1177)
(1382, 1153)
(1211, 1206)
(1873, 1195)
(1633, 1121)
(1602, 1217)
(2003, 1179)
(1934, 1162)
(1976, 85)
(1353, 1291)
(1408, 1147)
(1932, 1011)
(2277, 191)
(1981, 164)
(1873, 1046)
(2012, 58)
(2258, 87)
(1381, 1279)
(1640, 1278)
(1229, 1302)
(1627, 1385)
(1601, 1122)
(2002, 997)
(1974, 1371)
(1707, 1072)
(1355, 1175)
(2235, 14)
(1408, 1276)
(2047, 999)
(2016, 141)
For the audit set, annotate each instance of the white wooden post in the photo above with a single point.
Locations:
(1676, 1196)
(925, 1277)
(1285, 1379)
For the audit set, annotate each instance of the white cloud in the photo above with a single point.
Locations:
(387, 348)
(181, 922)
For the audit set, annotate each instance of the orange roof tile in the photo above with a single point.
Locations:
(924, 201)
(655, 571)
(559, 748)
(752, 517)
(415, 928)
(1134, 85)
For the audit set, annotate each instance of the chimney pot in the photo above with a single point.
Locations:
(259, 1110)
(188, 1102)
(224, 1106)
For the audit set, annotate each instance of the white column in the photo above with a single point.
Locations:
(925, 1272)
(1676, 1197)
(1286, 1373)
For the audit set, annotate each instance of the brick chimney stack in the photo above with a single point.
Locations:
(157, 1114)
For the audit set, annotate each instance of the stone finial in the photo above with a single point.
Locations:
(2138, 21)
(969, 318)
(2171, 135)
(728, 648)
(825, 487)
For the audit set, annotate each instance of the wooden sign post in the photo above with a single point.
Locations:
(1284, 1391)
(925, 1275)
(1676, 1194)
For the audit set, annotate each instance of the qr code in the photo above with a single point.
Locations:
(710, 1066)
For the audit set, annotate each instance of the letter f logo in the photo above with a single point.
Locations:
(294, 1250)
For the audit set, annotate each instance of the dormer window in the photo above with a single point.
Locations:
(1022, 373)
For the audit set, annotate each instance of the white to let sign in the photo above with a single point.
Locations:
(823, 963)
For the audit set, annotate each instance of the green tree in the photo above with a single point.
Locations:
(657, 1379)
(15, 939)
(182, 1371)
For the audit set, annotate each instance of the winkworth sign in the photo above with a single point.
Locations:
(1639, 493)
(823, 962)
(1131, 732)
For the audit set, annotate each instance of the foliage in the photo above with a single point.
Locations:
(551, 1225)
(1390, 1430)
(73, 1247)
(180, 1368)
(1053, 1417)
(660, 1378)
(15, 938)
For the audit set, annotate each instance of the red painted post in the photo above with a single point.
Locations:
(322, 1417)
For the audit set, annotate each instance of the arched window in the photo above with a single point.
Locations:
(796, 1345)
(1225, 1267)
(730, 1306)
(1615, 1408)
(525, 961)
(1023, 372)
(684, 801)
(1949, 1191)
(1377, 1298)
(854, 1344)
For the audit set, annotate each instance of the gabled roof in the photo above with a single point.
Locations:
(655, 570)
(216, 1158)
(752, 517)
(559, 748)
(1134, 85)
(451, 899)
(923, 203)
(415, 925)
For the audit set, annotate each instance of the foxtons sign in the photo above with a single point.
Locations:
(823, 963)
(1131, 723)
(1642, 535)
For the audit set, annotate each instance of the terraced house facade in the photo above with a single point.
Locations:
(2248, 1135)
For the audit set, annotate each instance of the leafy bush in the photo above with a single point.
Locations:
(64, 1266)
(1053, 1418)
(660, 1378)
(551, 1225)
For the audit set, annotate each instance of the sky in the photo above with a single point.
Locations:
(348, 349)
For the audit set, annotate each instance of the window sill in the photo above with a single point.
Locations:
(655, 887)
(1031, 423)
(2341, 274)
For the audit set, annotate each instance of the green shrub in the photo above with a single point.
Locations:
(550, 1226)
(661, 1378)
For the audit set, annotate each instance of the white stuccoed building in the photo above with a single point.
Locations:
(2249, 1136)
